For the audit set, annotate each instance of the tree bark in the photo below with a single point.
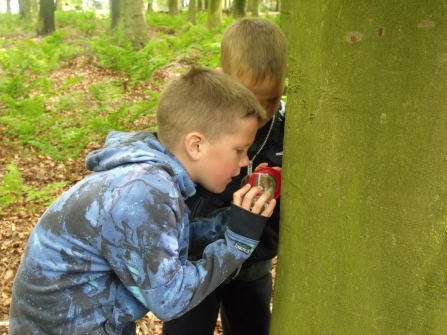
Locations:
(363, 241)
(115, 13)
(192, 11)
(255, 9)
(34, 8)
(59, 5)
(25, 10)
(173, 7)
(239, 8)
(45, 24)
(214, 12)
(150, 9)
(8, 6)
(133, 21)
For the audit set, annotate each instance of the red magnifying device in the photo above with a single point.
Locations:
(269, 179)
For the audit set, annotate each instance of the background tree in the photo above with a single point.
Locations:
(149, 6)
(192, 11)
(239, 8)
(8, 6)
(115, 13)
(25, 10)
(173, 7)
(45, 24)
(363, 244)
(34, 8)
(59, 5)
(133, 20)
(200, 5)
(254, 7)
(214, 12)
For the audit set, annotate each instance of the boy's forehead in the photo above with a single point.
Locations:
(270, 86)
(253, 80)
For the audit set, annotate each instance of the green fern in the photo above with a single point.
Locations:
(13, 188)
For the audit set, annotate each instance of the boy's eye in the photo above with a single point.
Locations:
(240, 151)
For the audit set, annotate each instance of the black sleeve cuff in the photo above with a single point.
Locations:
(246, 223)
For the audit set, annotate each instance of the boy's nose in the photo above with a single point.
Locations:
(244, 161)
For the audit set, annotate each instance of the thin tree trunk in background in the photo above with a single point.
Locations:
(25, 10)
(278, 5)
(115, 13)
(199, 5)
(34, 8)
(214, 18)
(59, 5)
(239, 8)
(133, 20)
(192, 11)
(150, 9)
(45, 24)
(249, 5)
(173, 7)
(363, 240)
(8, 6)
(255, 10)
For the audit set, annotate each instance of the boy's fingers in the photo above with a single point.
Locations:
(260, 205)
(248, 198)
(244, 198)
(261, 166)
(269, 210)
(238, 196)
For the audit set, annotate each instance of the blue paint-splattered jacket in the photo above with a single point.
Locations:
(115, 246)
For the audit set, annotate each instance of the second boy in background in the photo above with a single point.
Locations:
(253, 52)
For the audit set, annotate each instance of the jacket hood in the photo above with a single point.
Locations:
(139, 147)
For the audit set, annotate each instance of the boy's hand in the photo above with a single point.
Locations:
(245, 197)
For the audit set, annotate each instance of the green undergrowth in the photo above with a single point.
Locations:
(59, 120)
(51, 103)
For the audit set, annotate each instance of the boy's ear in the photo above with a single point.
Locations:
(193, 144)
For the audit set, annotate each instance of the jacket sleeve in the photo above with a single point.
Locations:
(268, 243)
(147, 246)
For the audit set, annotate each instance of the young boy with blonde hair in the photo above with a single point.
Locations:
(115, 245)
(254, 53)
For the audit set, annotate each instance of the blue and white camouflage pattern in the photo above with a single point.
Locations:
(115, 246)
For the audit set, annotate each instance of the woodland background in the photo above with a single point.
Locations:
(63, 89)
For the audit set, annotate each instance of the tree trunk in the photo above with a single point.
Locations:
(239, 8)
(34, 8)
(133, 20)
(173, 7)
(8, 6)
(278, 5)
(45, 24)
(199, 5)
(214, 13)
(192, 11)
(363, 241)
(25, 10)
(150, 9)
(59, 5)
(115, 13)
(255, 9)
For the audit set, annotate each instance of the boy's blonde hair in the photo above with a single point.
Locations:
(205, 101)
(254, 48)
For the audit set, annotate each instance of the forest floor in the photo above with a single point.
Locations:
(18, 220)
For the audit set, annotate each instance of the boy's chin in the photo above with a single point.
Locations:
(217, 190)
